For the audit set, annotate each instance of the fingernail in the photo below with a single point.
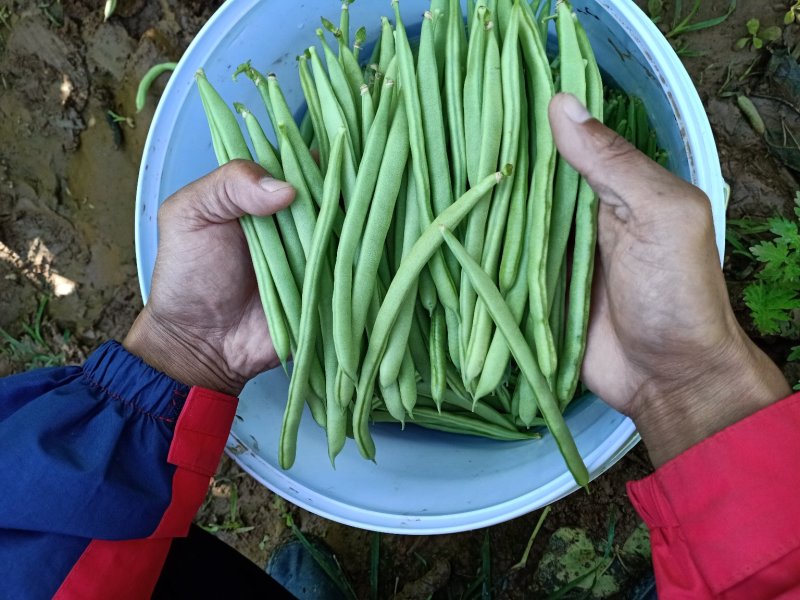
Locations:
(274, 185)
(575, 111)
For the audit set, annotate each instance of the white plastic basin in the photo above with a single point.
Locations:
(424, 482)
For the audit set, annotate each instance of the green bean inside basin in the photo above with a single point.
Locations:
(506, 408)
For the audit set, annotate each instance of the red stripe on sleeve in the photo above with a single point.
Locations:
(130, 568)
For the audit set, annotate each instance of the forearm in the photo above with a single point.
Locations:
(704, 398)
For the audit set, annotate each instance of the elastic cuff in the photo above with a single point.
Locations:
(128, 379)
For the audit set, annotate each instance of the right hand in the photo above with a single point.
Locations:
(664, 346)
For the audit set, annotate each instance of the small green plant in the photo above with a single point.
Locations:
(117, 118)
(793, 14)
(37, 346)
(233, 522)
(655, 8)
(758, 37)
(775, 291)
(685, 23)
(773, 294)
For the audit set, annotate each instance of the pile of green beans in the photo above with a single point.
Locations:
(423, 273)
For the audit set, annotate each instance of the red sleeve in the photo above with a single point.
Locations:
(724, 516)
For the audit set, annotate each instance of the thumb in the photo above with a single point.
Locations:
(621, 175)
(236, 189)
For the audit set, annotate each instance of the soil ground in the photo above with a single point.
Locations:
(67, 186)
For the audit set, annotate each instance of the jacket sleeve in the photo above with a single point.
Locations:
(724, 516)
(100, 467)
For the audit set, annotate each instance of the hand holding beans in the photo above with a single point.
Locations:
(664, 346)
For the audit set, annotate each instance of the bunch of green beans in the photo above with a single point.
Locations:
(423, 273)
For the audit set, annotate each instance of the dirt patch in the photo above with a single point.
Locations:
(67, 188)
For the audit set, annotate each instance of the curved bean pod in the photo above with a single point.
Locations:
(425, 247)
(144, 85)
(523, 356)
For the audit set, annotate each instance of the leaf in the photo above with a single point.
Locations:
(770, 34)
(753, 26)
(770, 306)
(742, 43)
(758, 43)
(707, 24)
(794, 355)
(773, 253)
(655, 8)
(788, 18)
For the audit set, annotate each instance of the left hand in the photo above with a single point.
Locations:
(204, 324)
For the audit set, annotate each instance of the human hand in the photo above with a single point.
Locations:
(204, 323)
(664, 346)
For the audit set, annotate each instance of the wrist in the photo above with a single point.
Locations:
(677, 411)
(178, 353)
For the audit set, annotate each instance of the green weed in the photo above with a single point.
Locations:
(232, 522)
(771, 252)
(758, 37)
(38, 345)
(685, 23)
(793, 14)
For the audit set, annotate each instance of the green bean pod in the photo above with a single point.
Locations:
(425, 247)
(144, 85)
(367, 110)
(440, 9)
(528, 406)
(473, 91)
(405, 61)
(460, 424)
(344, 23)
(573, 81)
(314, 109)
(265, 151)
(438, 355)
(380, 213)
(276, 321)
(395, 350)
(491, 134)
(454, 87)
(580, 286)
(343, 93)
(230, 144)
(481, 333)
(334, 119)
(302, 209)
(540, 199)
(336, 415)
(498, 355)
(514, 243)
(455, 404)
(260, 82)
(393, 402)
(352, 231)
(352, 70)
(358, 44)
(309, 319)
(432, 119)
(310, 169)
(407, 383)
(387, 53)
(523, 356)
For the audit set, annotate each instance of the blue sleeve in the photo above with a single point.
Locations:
(83, 455)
